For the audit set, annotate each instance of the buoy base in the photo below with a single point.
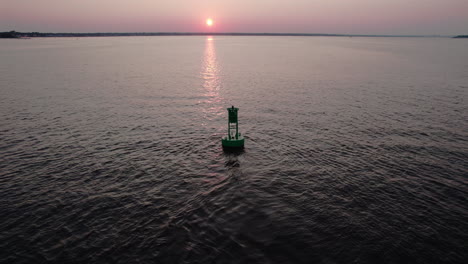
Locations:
(233, 143)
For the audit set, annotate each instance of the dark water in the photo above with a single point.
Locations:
(356, 150)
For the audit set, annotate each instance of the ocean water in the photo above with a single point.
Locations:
(356, 150)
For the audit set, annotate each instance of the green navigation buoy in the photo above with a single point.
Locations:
(234, 139)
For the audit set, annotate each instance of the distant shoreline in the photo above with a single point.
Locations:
(14, 34)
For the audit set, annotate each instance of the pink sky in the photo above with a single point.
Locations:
(418, 17)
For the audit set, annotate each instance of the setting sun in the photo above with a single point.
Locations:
(209, 22)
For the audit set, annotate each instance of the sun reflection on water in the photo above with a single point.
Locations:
(212, 102)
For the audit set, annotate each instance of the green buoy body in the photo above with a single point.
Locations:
(234, 139)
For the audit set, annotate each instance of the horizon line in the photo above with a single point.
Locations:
(143, 33)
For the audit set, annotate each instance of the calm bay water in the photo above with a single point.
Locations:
(356, 150)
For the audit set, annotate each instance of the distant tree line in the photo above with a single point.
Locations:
(14, 34)
(11, 34)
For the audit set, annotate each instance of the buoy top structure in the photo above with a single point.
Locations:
(234, 139)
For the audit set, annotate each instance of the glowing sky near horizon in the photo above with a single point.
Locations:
(412, 17)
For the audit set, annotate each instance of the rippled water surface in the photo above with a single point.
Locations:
(356, 150)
